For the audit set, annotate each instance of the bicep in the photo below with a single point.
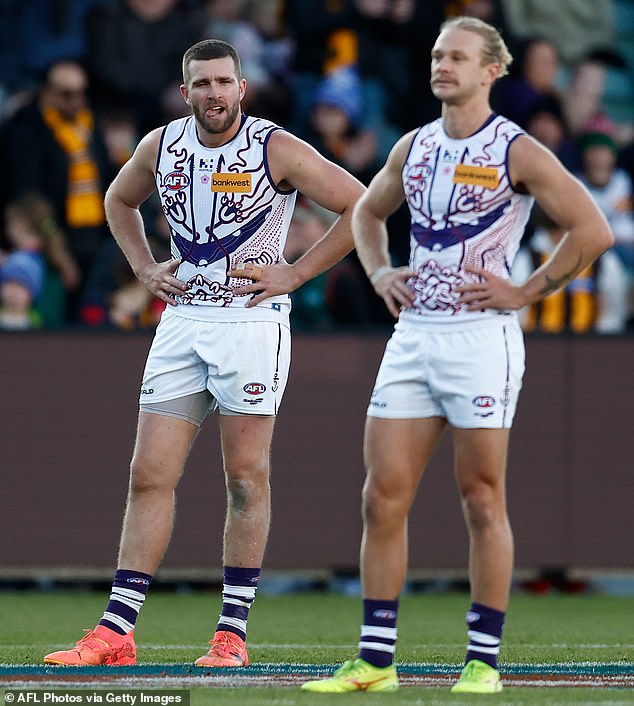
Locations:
(295, 163)
(135, 181)
(385, 193)
(560, 194)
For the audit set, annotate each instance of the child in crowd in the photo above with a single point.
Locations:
(30, 229)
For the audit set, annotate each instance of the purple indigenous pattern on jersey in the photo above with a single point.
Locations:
(222, 208)
(464, 212)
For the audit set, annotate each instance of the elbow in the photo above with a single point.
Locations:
(607, 239)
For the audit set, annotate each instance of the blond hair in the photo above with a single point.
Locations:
(495, 50)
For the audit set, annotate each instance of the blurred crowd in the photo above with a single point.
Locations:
(81, 81)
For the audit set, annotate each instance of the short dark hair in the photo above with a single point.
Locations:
(210, 49)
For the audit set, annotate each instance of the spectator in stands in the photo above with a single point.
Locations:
(339, 297)
(595, 301)
(546, 123)
(54, 147)
(336, 132)
(309, 307)
(335, 125)
(33, 36)
(575, 27)
(131, 306)
(611, 187)
(30, 225)
(583, 99)
(331, 36)
(386, 34)
(324, 39)
(531, 79)
(254, 29)
(134, 53)
(113, 295)
(21, 279)
(22, 269)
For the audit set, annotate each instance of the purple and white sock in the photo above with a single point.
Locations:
(378, 632)
(129, 590)
(485, 633)
(238, 594)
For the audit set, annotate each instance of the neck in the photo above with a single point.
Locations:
(460, 121)
(217, 139)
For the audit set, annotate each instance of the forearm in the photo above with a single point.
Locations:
(126, 226)
(328, 251)
(371, 241)
(576, 251)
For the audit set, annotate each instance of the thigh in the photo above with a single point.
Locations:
(161, 448)
(246, 443)
(480, 457)
(397, 451)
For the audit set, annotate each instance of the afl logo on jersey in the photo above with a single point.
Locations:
(483, 401)
(176, 180)
(254, 388)
(416, 176)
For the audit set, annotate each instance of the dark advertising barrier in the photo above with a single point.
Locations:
(69, 407)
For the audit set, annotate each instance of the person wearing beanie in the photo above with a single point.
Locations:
(21, 281)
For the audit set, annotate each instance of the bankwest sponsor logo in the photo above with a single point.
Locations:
(477, 176)
(237, 183)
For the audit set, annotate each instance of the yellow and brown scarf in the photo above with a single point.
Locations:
(84, 200)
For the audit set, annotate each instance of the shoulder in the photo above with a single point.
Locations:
(146, 152)
(529, 161)
(285, 151)
(281, 139)
(399, 153)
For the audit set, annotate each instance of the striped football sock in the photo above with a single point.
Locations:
(485, 633)
(238, 594)
(378, 632)
(129, 590)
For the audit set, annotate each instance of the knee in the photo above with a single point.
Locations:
(146, 478)
(381, 503)
(243, 489)
(481, 506)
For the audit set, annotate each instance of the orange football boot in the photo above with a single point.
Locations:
(98, 646)
(227, 650)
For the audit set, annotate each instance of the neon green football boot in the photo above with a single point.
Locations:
(477, 678)
(356, 675)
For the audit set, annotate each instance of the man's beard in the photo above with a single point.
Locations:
(212, 126)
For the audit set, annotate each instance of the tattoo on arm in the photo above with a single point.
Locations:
(553, 284)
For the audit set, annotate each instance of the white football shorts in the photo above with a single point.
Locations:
(471, 375)
(243, 365)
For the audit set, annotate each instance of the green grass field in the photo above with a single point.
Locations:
(323, 628)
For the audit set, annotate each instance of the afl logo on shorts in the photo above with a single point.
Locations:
(176, 180)
(254, 388)
(483, 402)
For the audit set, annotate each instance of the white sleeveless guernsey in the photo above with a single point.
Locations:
(464, 212)
(222, 209)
